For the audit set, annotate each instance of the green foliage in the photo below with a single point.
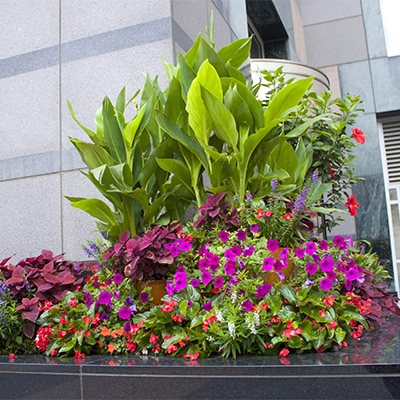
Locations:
(327, 138)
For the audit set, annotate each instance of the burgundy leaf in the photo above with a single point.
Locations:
(29, 329)
(51, 278)
(124, 237)
(6, 260)
(44, 287)
(47, 254)
(49, 267)
(67, 279)
(60, 295)
(31, 315)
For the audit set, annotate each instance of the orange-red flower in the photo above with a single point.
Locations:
(358, 135)
(352, 205)
(105, 331)
(111, 348)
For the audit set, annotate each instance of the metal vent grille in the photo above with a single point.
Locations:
(391, 136)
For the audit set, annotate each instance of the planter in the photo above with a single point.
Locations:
(157, 291)
(292, 69)
(272, 277)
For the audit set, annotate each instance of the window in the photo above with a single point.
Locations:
(390, 10)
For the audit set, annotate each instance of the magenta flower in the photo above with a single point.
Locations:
(236, 250)
(241, 264)
(338, 241)
(254, 228)
(229, 254)
(195, 282)
(105, 298)
(323, 245)
(185, 245)
(247, 306)
(208, 306)
(248, 251)
(213, 258)
(268, 263)
(311, 248)
(279, 265)
(331, 275)
(127, 327)
(326, 264)
(352, 274)
(263, 290)
(204, 263)
(206, 278)
(180, 282)
(118, 278)
(230, 267)
(125, 312)
(311, 268)
(299, 252)
(284, 253)
(174, 251)
(325, 284)
(223, 236)
(272, 245)
(170, 289)
(218, 282)
(144, 297)
(241, 235)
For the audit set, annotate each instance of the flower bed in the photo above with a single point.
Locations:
(275, 166)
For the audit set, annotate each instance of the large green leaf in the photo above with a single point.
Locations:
(208, 77)
(186, 75)
(92, 155)
(122, 176)
(251, 101)
(223, 121)
(284, 157)
(199, 118)
(120, 104)
(177, 133)
(205, 52)
(286, 99)
(174, 105)
(132, 127)
(96, 208)
(178, 169)
(112, 132)
(236, 53)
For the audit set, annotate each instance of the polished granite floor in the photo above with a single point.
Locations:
(367, 369)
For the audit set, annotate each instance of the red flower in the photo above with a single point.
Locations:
(322, 313)
(287, 217)
(352, 205)
(284, 353)
(63, 321)
(53, 352)
(329, 300)
(171, 348)
(358, 135)
(333, 325)
(153, 338)
(86, 320)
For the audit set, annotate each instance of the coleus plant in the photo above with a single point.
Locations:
(217, 212)
(46, 278)
(144, 256)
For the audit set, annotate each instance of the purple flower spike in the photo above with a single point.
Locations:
(272, 245)
(274, 184)
(241, 235)
(223, 236)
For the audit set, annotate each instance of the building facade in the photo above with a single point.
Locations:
(84, 50)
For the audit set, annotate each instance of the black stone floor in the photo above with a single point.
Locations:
(367, 369)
